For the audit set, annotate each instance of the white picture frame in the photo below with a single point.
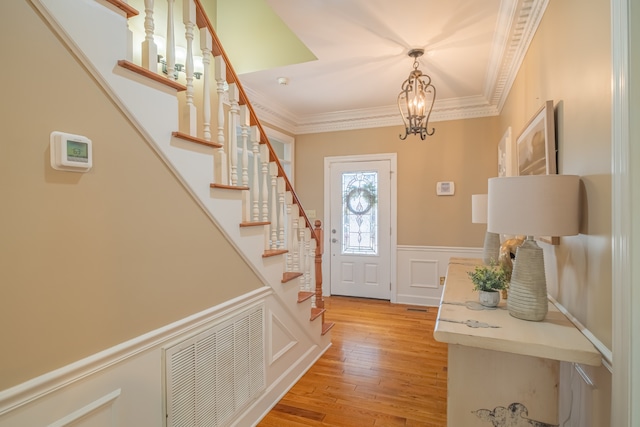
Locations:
(537, 144)
(507, 159)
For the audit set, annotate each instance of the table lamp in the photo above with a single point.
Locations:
(532, 205)
(491, 249)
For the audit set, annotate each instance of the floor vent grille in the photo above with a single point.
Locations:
(212, 375)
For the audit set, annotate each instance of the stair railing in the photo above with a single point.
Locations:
(270, 199)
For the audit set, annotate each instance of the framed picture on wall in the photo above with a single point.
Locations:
(506, 155)
(536, 144)
(537, 150)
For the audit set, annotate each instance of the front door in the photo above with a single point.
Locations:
(360, 228)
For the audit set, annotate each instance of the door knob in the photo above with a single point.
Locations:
(334, 240)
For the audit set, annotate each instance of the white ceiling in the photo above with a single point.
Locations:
(473, 49)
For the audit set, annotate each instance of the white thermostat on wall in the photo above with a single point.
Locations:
(70, 152)
(445, 188)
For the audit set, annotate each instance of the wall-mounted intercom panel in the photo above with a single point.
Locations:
(445, 188)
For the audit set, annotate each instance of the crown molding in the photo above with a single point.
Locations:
(518, 21)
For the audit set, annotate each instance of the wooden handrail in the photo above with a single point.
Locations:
(202, 21)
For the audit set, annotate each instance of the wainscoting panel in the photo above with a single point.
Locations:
(123, 386)
(99, 413)
(281, 339)
(420, 269)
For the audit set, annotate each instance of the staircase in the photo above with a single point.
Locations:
(194, 113)
(237, 178)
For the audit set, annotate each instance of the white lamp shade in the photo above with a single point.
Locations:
(479, 208)
(534, 205)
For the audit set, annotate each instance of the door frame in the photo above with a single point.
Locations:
(393, 219)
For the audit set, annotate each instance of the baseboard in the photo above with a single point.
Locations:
(279, 388)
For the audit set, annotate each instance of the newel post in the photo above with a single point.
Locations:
(319, 251)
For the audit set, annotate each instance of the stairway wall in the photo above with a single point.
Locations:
(91, 260)
(97, 267)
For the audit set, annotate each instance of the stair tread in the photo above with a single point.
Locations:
(273, 252)
(327, 326)
(196, 139)
(316, 312)
(228, 187)
(304, 295)
(126, 8)
(151, 75)
(254, 223)
(290, 275)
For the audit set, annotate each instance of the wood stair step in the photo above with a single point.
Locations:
(326, 327)
(304, 295)
(316, 312)
(151, 75)
(273, 252)
(290, 275)
(254, 223)
(130, 11)
(228, 187)
(196, 139)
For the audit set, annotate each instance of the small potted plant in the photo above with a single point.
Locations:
(489, 280)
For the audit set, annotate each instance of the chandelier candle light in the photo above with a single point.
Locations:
(532, 205)
(416, 100)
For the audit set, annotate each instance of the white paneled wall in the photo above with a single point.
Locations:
(123, 385)
(420, 269)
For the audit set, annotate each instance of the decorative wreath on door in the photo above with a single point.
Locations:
(360, 200)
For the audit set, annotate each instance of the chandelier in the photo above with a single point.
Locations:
(416, 99)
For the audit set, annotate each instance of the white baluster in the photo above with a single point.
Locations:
(171, 42)
(245, 122)
(255, 186)
(273, 172)
(149, 48)
(129, 54)
(308, 260)
(312, 271)
(234, 112)
(281, 207)
(301, 256)
(206, 44)
(221, 175)
(288, 201)
(295, 236)
(189, 20)
(264, 188)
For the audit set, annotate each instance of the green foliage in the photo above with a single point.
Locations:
(489, 278)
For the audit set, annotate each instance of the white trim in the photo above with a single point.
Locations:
(86, 410)
(273, 394)
(519, 22)
(393, 220)
(621, 222)
(38, 387)
(607, 355)
(443, 249)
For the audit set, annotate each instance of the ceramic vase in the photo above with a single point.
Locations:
(489, 298)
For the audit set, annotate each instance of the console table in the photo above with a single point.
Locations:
(500, 367)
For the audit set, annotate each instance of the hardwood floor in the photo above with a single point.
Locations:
(383, 369)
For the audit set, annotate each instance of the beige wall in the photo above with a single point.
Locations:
(462, 151)
(88, 261)
(569, 62)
